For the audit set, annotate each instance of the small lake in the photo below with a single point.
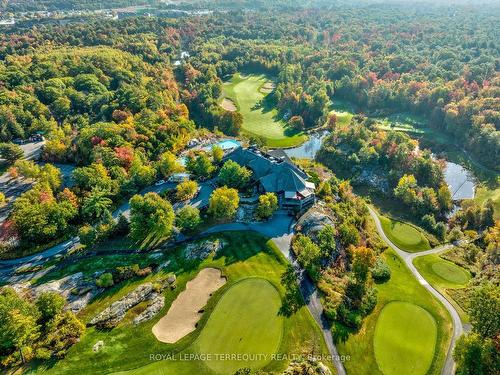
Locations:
(308, 149)
(460, 181)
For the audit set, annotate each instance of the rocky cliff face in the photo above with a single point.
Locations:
(313, 221)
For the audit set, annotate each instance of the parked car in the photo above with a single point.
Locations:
(179, 177)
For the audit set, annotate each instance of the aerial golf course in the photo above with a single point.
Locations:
(241, 318)
(244, 93)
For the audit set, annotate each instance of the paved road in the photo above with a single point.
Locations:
(13, 188)
(458, 329)
(8, 267)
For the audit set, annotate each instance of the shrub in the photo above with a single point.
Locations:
(349, 235)
(186, 190)
(381, 271)
(350, 318)
(105, 280)
(369, 301)
(233, 175)
(122, 225)
(88, 235)
(440, 230)
(125, 272)
(429, 222)
(188, 217)
(268, 204)
(49, 304)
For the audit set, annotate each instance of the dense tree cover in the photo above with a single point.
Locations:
(64, 5)
(478, 249)
(477, 352)
(35, 329)
(340, 258)
(39, 215)
(378, 57)
(378, 157)
(111, 112)
(10, 152)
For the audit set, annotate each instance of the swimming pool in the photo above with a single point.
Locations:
(226, 145)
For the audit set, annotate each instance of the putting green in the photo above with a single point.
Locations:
(246, 94)
(450, 272)
(405, 339)
(244, 330)
(404, 236)
(441, 272)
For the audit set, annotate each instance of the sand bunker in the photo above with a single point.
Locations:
(228, 105)
(267, 87)
(184, 313)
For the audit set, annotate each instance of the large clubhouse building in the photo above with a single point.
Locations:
(275, 172)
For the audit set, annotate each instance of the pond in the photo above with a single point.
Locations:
(460, 181)
(308, 149)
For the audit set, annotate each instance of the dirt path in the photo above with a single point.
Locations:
(184, 312)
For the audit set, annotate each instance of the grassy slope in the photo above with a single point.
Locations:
(245, 93)
(401, 287)
(128, 347)
(483, 193)
(404, 235)
(255, 303)
(443, 275)
(405, 339)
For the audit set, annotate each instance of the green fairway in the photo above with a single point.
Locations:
(343, 110)
(404, 235)
(405, 339)
(240, 317)
(245, 322)
(483, 193)
(246, 94)
(444, 275)
(402, 287)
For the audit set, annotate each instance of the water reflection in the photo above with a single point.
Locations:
(460, 181)
(308, 149)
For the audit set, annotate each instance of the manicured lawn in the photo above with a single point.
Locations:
(343, 110)
(404, 236)
(246, 322)
(444, 275)
(405, 339)
(402, 287)
(259, 120)
(127, 348)
(483, 193)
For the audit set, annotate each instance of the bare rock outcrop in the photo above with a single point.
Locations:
(157, 303)
(114, 313)
(201, 250)
(313, 221)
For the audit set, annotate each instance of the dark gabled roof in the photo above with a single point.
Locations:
(275, 172)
